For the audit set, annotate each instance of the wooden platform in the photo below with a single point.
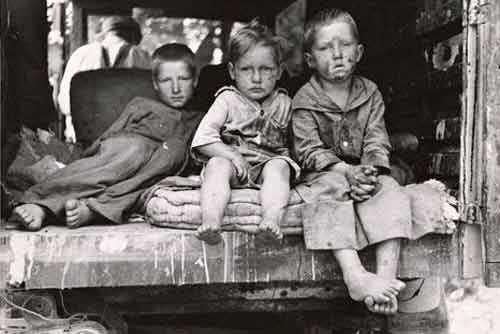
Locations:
(143, 255)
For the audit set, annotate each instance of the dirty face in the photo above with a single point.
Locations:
(256, 72)
(335, 52)
(175, 83)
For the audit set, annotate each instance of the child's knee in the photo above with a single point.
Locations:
(135, 147)
(219, 166)
(277, 167)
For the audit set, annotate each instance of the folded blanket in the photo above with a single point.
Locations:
(175, 203)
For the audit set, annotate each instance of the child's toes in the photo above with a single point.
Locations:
(31, 216)
(277, 234)
(397, 285)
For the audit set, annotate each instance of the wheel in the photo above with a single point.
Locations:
(87, 327)
(44, 305)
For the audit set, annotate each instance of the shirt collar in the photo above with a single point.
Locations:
(257, 106)
(315, 97)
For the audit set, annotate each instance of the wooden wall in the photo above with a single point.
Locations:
(490, 77)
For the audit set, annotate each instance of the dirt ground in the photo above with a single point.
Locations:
(472, 308)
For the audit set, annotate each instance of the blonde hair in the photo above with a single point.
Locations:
(324, 18)
(250, 36)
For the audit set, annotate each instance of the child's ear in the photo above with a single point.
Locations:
(155, 84)
(230, 68)
(361, 50)
(309, 60)
(281, 68)
(196, 79)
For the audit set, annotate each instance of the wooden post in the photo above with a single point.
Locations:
(489, 96)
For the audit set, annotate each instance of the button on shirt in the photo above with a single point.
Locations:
(257, 131)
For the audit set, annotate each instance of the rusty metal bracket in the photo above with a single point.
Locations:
(473, 213)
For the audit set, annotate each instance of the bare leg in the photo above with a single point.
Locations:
(31, 216)
(215, 194)
(372, 288)
(387, 254)
(274, 195)
(78, 213)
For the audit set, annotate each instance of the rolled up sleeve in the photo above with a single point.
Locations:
(209, 130)
(376, 145)
(308, 148)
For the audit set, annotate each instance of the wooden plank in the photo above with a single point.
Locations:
(432, 14)
(471, 143)
(243, 301)
(139, 254)
(208, 9)
(489, 99)
(471, 251)
(493, 274)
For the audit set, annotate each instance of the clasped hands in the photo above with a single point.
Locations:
(363, 180)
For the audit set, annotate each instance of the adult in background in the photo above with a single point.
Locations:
(117, 47)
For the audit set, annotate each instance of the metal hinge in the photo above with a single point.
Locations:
(473, 214)
(477, 14)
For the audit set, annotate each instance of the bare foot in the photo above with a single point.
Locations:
(77, 213)
(270, 229)
(388, 308)
(209, 233)
(31, 216)
(365, 284)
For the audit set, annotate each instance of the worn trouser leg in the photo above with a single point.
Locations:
(117, 159)
(120, 197)
(387, 215)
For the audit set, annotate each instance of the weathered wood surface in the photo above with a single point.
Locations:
(139, 254)
(493, 274)
(489, 95)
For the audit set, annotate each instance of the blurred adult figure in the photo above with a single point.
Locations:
(117, 47)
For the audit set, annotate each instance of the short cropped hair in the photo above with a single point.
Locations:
(252, 35)
(173, 52)
(324, 18)
(124, 27)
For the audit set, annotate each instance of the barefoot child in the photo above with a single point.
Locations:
(243, 137)
(342, 145)
(146, 143)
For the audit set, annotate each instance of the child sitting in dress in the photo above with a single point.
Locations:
(149, 141)
(243, 138)
(341, 143)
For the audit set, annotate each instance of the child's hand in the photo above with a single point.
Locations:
(361, 174)
(241, 166)
(363, 181)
